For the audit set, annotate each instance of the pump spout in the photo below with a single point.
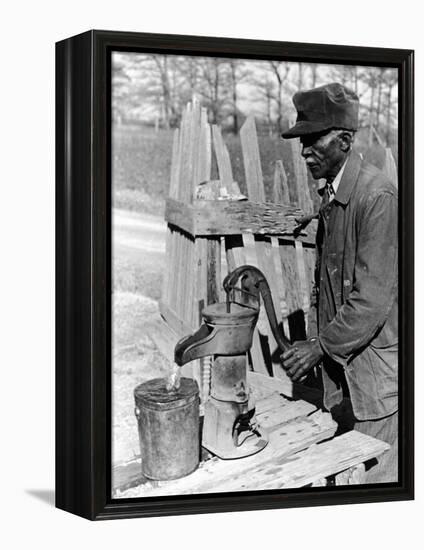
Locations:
(194, 346)
(222, 333)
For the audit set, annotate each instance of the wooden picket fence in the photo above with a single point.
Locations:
(209, 237)
(388, 167)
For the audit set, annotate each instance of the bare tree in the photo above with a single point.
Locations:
(314, 74)
(280, 70)
(380, 83)
(233, 65)
(154, 82)
(391, 80)
(213, 75)
(189, 72)
(238, 72)
(371, 77)
(157, 87)
(121, 89)
(165, 66)
(300, 76)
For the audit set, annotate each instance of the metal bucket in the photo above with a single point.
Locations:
(168, 428)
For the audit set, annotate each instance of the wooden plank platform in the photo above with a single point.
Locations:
(293, 457)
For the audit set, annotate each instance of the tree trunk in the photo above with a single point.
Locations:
(215, 107)
(355, 80)
(280, 106)
(371, 117)
(388, 116)
(300, 76)
(166, 92)
(268, 109)
(378, 110)
(314, 68)
(234, 96)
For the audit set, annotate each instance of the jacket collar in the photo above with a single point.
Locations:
(349, 177)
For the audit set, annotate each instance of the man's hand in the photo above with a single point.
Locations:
(303, 222)
(301, 357)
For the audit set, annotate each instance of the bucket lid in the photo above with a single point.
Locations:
(155, 395)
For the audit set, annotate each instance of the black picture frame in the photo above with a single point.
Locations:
(83, 274)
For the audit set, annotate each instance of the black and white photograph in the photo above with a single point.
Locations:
(254, 275)
(211, 275)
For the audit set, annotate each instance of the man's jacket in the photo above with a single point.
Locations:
(356, 291)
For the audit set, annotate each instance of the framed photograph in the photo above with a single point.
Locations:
(234, 229)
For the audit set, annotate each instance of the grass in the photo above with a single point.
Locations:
(142, 159)
(143, 279)
(135, 360)
(142, 166)
(138, 200)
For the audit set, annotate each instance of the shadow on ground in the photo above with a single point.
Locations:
(45, 495)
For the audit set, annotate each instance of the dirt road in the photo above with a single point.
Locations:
(138, 263)
(135, 233)
(138, 253)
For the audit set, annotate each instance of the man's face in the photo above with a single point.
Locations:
(322, 153)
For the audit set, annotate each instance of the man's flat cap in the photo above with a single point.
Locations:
(323, 108)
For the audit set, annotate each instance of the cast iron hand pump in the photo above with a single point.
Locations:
(253, 283)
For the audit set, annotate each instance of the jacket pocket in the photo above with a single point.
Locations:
(388, 335)
(372, 378)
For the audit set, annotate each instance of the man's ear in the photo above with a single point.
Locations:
(346, 140)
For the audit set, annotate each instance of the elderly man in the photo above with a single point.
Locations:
(356, 336)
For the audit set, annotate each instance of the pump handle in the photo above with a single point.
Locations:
(254, 282)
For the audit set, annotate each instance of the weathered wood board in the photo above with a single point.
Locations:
(284, 440)
(292, 427)
(226, 217)
(280, 190)
(272, 419)
(270, 469)
(163, 336)
(301, 469)
(301, 177)
(262, 243)
(291, 459)
(234, 245)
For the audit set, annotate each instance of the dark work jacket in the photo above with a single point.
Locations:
(356, 291)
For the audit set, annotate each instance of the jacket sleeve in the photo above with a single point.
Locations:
(374, 283)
